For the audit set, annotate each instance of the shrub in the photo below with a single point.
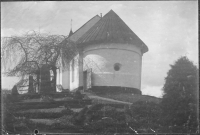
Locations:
(12, 123)
(78, 95)
(144, 115)
(40, 115)
(30, 96)
(179, 103)
(46, 98)
(34, 106)
(45, 115)
(7, 99)
(79, 118)
(67, 111)
(14, 90)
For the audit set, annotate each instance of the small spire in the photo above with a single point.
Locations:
(71, 32)
(71, 24)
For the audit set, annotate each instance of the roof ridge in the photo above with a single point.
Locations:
(86, 23)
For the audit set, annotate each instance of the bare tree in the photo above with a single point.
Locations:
(25, 55)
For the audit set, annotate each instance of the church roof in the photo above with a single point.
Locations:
(84, 28)
(111, 29)
(74, 36)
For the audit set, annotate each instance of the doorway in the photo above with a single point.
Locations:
(87, 79)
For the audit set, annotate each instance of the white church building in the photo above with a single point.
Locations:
(109, 57)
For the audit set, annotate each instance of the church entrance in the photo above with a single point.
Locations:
(87, 79)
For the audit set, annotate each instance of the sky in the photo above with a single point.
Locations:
(168, 28)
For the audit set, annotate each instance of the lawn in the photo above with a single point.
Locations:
(72, 115)
(131, 98)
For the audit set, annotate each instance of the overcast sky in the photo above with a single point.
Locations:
(168, 28)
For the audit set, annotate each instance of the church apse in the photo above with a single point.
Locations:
(111, 54)
(113, 66)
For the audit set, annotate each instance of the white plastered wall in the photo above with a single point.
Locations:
(101, 58)
(58, 78)
(65, 78)
(74, 83)
(65, 75)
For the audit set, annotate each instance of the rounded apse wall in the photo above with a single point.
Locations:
(114, 64)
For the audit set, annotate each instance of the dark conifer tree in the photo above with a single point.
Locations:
(180, 97)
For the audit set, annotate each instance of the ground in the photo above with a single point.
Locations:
(67, 112)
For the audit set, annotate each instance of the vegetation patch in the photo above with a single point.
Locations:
(176, 113)
(131, 98)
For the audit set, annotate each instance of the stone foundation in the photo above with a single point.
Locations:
(114, 90)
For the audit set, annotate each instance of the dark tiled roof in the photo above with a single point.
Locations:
(71, 34)
(111, 29)
(86, 23)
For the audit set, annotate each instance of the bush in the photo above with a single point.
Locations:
(45, 115)
(67, 111)
(14, 91)
(12, 123)
(100, 118)
(8, 120)
(7, 99)
(46, 98)
(34, 106)
(30, 96)
(95, 107)
(40, 115)
(144, 115)
(103, 126)
(179, 103)
(79, 118)
(78, 95)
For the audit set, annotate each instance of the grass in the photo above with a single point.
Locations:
(39, 114)
(45, 105)
(44, 121)
(98, 118)
(47, 113)
(131, 98)
(105, 102)
(52, 110)
(55, 116)
(38, 96)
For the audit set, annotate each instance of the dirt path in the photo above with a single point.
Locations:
(92, 96)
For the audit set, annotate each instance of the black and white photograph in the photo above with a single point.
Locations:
(99, 67)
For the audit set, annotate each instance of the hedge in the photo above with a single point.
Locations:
(44, 115)
(45, 105)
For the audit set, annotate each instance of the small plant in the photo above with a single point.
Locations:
(78, 95)
(14, 91)
(67, 111)
(46, 98)
(79, 118)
